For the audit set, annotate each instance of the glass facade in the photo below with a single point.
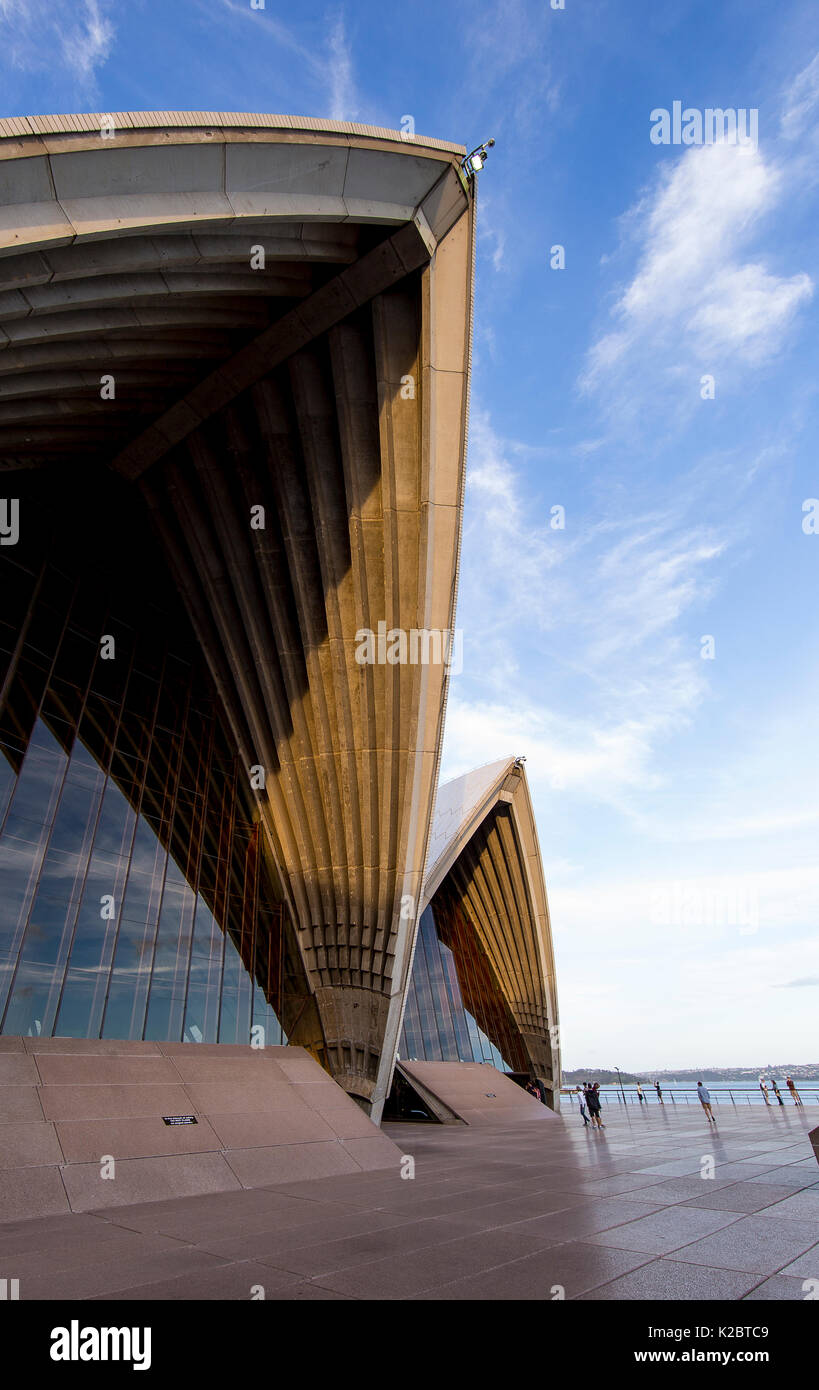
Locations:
(137, 896)
(137, 900)
(455, 1011)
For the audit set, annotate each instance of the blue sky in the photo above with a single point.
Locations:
(676, 796)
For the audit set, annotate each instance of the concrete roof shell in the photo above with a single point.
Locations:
(498, 875)
(128, 245)
(124, 250)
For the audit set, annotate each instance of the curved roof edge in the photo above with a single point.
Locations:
(87, 123)
(461, 804)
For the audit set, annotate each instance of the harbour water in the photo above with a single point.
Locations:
(685, 1093)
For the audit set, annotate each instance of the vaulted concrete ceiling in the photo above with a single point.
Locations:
(131, 249)
(329, 387)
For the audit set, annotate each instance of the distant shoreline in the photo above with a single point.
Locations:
(727, 1075)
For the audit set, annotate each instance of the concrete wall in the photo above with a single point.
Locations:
(264, 1116)
(475, 1092)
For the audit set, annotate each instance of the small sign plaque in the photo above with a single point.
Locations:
(180, 1120)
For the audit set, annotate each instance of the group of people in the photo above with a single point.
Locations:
(588, 1098)
(658, 1088)
(789, 1082)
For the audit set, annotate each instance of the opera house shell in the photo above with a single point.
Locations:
(234, 375)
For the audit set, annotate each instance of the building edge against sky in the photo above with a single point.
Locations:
(233, 413)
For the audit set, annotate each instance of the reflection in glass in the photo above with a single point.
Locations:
(137, 899)
(455, 1011)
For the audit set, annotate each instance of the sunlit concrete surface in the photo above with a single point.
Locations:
(534, 1212)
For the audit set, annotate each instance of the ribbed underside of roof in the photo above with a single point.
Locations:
(485, 869)
(328, 448)
(324, 382)
(155, 312)
(488, 880)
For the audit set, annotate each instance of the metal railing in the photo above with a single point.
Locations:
(686, 1095)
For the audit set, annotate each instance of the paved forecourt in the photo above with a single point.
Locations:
(514, 1211)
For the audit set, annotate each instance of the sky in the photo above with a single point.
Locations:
(654, 657)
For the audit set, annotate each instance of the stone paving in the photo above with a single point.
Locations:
(533, 1211)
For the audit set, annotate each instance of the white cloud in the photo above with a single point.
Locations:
(573, 651)
(562, 753)
(343, 99)
(328, 64)
(501, 513)
(800, 100)
(87, 43)
(492, 234)
(509, 45)
(646, 581)
(689, 993)
(750, 308)
(35, 32)
(692, 296)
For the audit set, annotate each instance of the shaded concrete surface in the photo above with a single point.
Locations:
(475, 1093)
(521, 1211)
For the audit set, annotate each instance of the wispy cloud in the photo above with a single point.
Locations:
(563, 754)
(77, 35)
(491, 234)
(328, 64)
(508, 47)
(343, 99)
(601, 606)
(800, 101)
(694, 300)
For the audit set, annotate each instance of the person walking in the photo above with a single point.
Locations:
(797, 1099)
(658, 1089)
(764, 1089)
(581, 1100)
(705, 1101)
(593, 1102)
(776, 1092)
(640, 1095)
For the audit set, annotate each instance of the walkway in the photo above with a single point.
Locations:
(526, 1212)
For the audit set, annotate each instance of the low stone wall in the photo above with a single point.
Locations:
(263, 1116)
